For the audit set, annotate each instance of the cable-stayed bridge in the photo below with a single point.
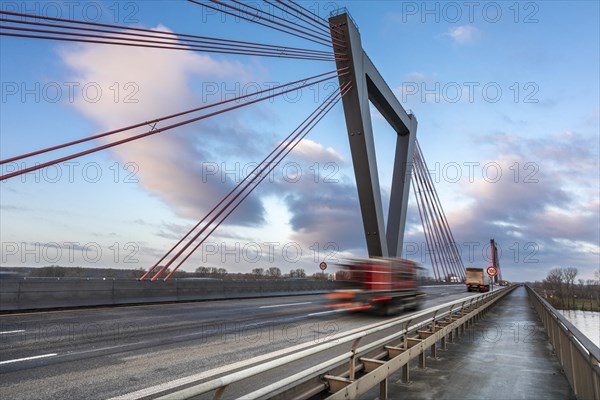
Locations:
(253, 348)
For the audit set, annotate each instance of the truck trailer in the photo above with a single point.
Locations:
(385, 286)
(476, 280)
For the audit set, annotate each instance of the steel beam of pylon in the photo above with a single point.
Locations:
(368, 84)
(495, 260)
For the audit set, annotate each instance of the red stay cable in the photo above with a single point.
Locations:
(323, 112)
(190, 242)
(315, 17)
(322, 27)
(172, 40)
(321, 42)
(219, 204)
(179, 35)
(151, 132)
(306, 31)
(138, 125)
(163, 45)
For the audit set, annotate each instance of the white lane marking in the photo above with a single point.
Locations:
(73, 353)
(286, 305)
(28, 358)
(9, 332)
(327, 312)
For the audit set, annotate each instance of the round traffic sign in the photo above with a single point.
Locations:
(491, 270)
(323, 266)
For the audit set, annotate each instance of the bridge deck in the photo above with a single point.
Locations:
(508, 357)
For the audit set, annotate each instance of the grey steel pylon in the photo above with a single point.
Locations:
(369, 85)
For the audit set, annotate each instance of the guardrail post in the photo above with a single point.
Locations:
(219, 393)
(470, 320)
(405, 373)
(422, 359)
(451, 332)
(352, 367)
(560, 344)
(19, 294)
(461, 328)
(383, 389)
(433, 348)
(573, 369)
(406, 367)
(405, 337)
(595, 378)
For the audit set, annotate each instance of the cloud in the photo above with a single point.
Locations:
(173, 231)
(12, 207)
(593, 118)
(418, 77)
(309, 150)
(543, 211)
(322, 202)
(139, 84)
(326, 213)
(463, 34)
(375, 114)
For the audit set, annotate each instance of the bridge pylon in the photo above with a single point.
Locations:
(369, 85)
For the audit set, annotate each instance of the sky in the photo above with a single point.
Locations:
(507, 97)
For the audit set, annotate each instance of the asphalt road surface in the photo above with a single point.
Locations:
(100, 353)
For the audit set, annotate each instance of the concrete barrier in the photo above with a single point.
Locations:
(45, 293)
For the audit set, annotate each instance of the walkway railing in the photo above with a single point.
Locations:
(577, 354)
(347, 364)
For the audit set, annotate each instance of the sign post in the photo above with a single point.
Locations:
(323, 267)
(491, 271)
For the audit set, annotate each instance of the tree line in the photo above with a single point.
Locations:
(57, 271)
(563, 290)
(256, 274)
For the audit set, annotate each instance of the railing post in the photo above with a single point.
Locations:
(433, 348)
(353, 360)
(470, 320)
(219, 393)
(383, 389)
(406, 367)
(460, 330)
(405, 337)
(573, 369)
(405, 373)
(595, 378)
(451, 332)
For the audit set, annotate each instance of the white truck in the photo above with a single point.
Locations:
(476, 280)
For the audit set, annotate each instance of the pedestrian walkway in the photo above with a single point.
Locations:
(506, 355)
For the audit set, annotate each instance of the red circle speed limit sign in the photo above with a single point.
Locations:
(323, 266)
(491, 270)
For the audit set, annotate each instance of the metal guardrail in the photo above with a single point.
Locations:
(353, 370)
(48, 293)
(577, 354)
